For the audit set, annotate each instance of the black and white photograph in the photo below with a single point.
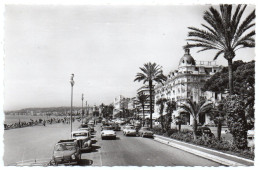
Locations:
(128, 84)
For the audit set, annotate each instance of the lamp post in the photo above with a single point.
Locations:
(82, 98)
(87, 108)
(72, 84)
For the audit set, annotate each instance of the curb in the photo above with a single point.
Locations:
(214, 158)
(233, 156)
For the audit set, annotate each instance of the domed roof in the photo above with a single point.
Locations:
(187, 58)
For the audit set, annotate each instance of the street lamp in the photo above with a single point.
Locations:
(72, 84)
(82, 98)
(87, 108)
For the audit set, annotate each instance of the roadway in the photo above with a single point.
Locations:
(138, 151)
(32, 143)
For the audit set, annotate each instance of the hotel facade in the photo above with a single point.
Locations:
(186, 83)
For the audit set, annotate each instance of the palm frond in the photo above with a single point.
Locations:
(218, 53)
(245, 25)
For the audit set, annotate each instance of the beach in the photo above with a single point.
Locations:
(35, 142)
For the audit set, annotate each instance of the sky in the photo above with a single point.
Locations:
(103, 45)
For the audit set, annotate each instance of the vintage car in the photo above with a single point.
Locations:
(91, 126)
(85, 127)
(251, 139)
(129, 130)
(145, 132)
(204, 131)
(66, 152)
(83, 138)
(108, 132)
(116, 127)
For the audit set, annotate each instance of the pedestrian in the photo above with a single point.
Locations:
(43, 122)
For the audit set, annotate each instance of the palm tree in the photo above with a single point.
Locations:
(161, 102)
(195, 110)
(142, 98)
(225, 34)
(171, 106)
(151, 72)
(179, 121)
(218, 115)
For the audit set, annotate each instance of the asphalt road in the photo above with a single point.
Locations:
(138, 151)
(37, 143)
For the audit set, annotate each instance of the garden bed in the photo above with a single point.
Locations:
(210, 143)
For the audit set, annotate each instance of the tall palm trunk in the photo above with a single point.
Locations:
(179, 126)
(219, 129)
(143, 115)
(230, 76)
(151, 107)
(195, 127)
(162, 122)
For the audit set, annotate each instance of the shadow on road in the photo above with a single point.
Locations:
(85, 162)
(94, 141)
(95, 148)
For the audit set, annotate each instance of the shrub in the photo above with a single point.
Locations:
(214, 143)
(236, 120)
(157, 130)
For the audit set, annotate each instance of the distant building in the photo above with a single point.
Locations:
(119, 104)
(145, 90)
(123, 105)
(186, 83)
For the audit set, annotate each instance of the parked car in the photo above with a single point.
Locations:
(91, 126)
(116, 127)
(108, 132)
(129, 130)
(251, 139)
(145, 132)
(204, 131)
(83, 138)
(225, 131)
(85, 127)
(66, 152)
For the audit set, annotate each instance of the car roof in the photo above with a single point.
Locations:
(79, 131)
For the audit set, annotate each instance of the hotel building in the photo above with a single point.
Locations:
(186, 83)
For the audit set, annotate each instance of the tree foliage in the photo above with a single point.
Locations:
(142, 98)
(244, 85)
(196, 109)
(236, 120)
(151, 72)
(225, 32)
(161, 102)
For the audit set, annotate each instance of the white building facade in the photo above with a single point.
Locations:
(186, 83)
(145, 90)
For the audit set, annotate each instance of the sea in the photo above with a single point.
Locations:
(10, 119)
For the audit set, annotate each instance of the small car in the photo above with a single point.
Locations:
(66, 152)
(83, 138)
(251, 139)
(116, 127)
(91, 126)
(108, 132)
(85, 126)
(204, 131)
(129, 130)
(145, 132)
(225, 131)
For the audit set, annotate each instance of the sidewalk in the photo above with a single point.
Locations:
(217, 156)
